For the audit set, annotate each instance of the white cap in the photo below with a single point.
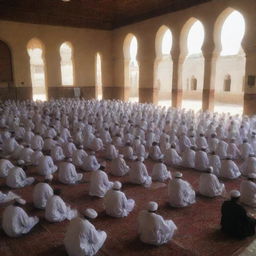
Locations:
(152, 206)
(20, 201)
(121, 155)
(234, 193)
(178, 175)
(21, 162)
(141, 159)
(252, 176)
(90, 213)
(117, 185)
(80, 146)
(210, 169)
(69, 160)
(92, 153)
(49, 177)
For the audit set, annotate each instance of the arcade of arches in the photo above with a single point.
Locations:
(203, 56)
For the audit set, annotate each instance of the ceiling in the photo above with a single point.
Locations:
(101, 14)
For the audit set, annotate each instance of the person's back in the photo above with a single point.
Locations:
(248, 191)
(41, 193)
(114, 203)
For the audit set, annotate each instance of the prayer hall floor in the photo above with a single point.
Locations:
(198, 225)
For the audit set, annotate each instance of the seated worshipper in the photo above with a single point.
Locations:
(246, 149)
(46, 166)
(234, 220)
(201, 160)
(221, 150)
(99, 183)
(213, 142)
(4, 198)
(188, 158)
(215, 163)
(140, 151)
(233, 150)
(111, 152)
(15, 221)
(155, 152)
(115, 202)
(229, 169)
(5, 166)
(248, 191)
(42, 192)
(171, 157)
(160, 172)
(90, 163)
(184, 142)
(17, 178)
(201, 141)
(96, 144)
(57, 153)
(249, 165)
(138, 173)
(180, 192)
(56, 210)
(67, 173)
(10, 145)
(37, 142)
(152, 228)
(36, 156)
(69, 148)
(16, 153)
(26, 154)
(79, 156)
(81, 238)
(128, 152)
(209, 184)
(118, 141)
(118, 166)
(49, 143)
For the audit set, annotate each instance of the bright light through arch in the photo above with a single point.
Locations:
(195, 38)
(167, 42)
(133, 48)
(232, 33)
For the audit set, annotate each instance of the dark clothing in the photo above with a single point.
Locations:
(235, 222)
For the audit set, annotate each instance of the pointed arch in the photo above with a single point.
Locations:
(98, 76)
(36, 49)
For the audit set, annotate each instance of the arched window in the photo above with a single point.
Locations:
(66, 54)
(163, 65)
(227, 83)
(193, 83)
(37, 69)
(98, 77)
(232, 34)
(131, 68)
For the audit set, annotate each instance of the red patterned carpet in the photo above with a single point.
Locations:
(198, 226)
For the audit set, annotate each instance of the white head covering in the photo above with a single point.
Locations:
(252, 176)
(20, 201)
(117, 185)
(21, 162)
(49, 177)
(234, 193)
(210, 169)
(152, 206)
(178, 175)
(90, 213)
(80, 146)
(121, 155)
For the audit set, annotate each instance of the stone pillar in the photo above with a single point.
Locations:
(177, 79)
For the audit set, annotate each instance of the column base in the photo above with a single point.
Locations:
(176, 98)
(249, 104)
(208, 100)
(148, 95)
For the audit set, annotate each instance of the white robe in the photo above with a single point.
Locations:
(215, 163)
(82, 239)
(155, 153)
(118, 167)
(5, 166)
(16, 153)
(128, 153)
(210, 186)
(117, 205)
(111, 152)
(246, 150)
(201, 161)
(171, 157)
(221, 150)
(37, 142)
(41, 193)
(233, 151)
(138, 174)
(57, 154)
(16, 222)
(67, 173)
(229, 169)
(17, 178)
(10, 145)
(79, 157)
(90, 163)
(180, 193)
(248, 193)
(188, 158)
(140, 151)
(160, 172)
(96, 144)
(153, 229)
(248, 166)
(99, 184)
(26, 155)
(46, 166)
(69, 148)
(35, 157)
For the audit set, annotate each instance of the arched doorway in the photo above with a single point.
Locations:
(131, 69)
(66, 63)
(230, 62)
(163, 68)
(37, 69)
(193, 65)
(98, 77)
